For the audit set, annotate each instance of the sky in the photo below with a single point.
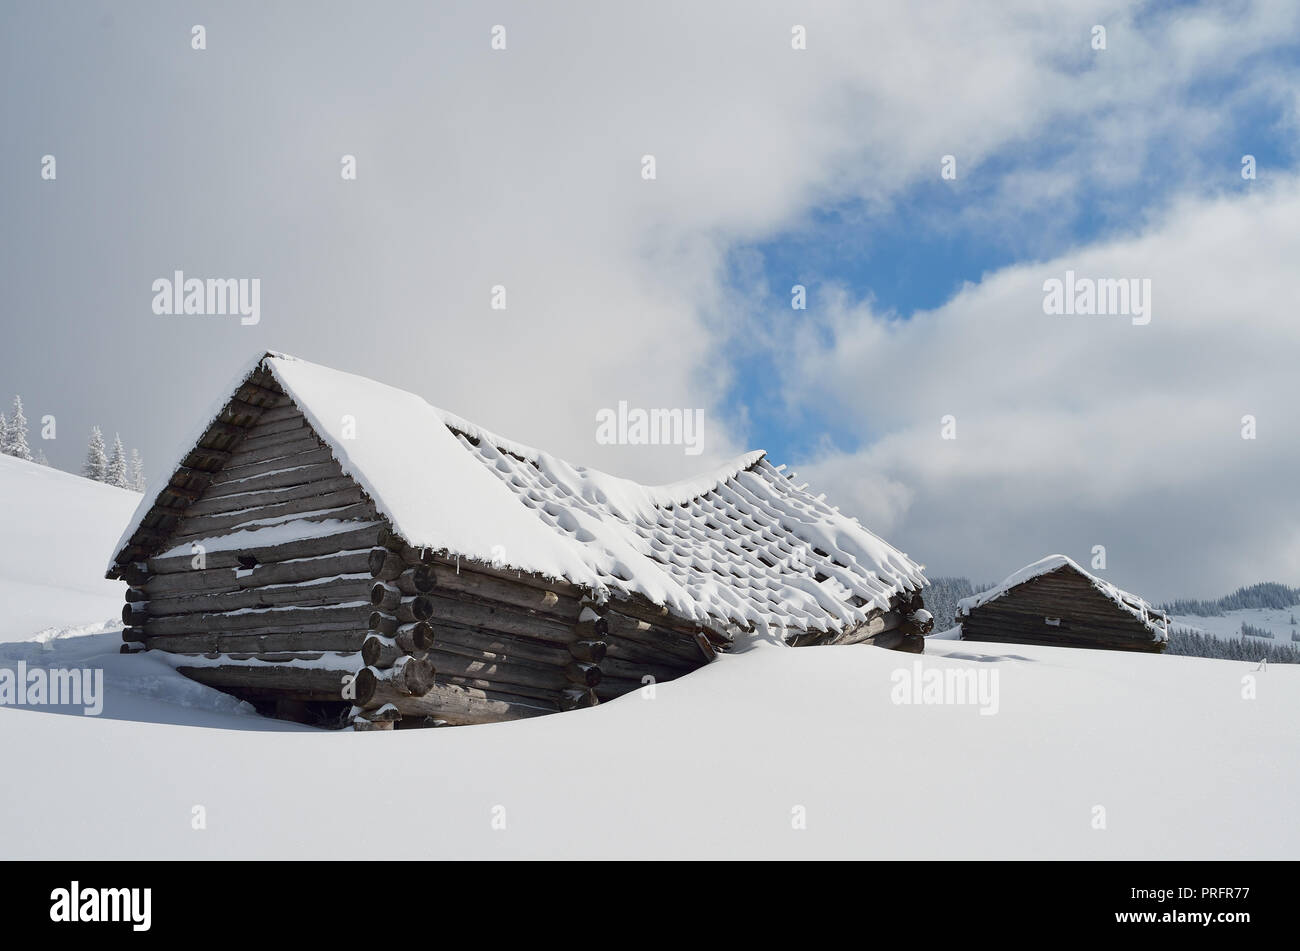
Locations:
(524, 167)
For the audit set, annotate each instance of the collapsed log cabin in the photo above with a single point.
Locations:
(332, 549)
(1057, 603)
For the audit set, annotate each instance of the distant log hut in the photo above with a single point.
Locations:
(335, 550)
(1055, 602)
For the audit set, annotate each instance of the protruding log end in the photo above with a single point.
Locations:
(584, 675)
(412, 675)
(920, 622)
(421, 609)
(577, 698)
(912, 644)
(384, 597)
(386, 565)
(364, 685)
(415, 639)
(379, 652)
(591, 652)
(133, 574)
(390, 540)
(424, 579)
(592, 629)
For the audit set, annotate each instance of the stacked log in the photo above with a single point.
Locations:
(203, 586)
(450, 703)
(902, 627)
(641, 651)
(534, 639)
(1061, 608)
(271, 682)
(495, 643)
(381, 718)
(259, 403)
(589, 648)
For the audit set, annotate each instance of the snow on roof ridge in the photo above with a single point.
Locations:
(1132, 603)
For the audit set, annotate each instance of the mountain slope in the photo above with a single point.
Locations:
(55, 529)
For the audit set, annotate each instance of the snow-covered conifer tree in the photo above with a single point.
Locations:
(96, 466)
(136, 478)
(14, 441)
(116, 474)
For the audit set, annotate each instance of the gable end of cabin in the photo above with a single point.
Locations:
(1061, 608)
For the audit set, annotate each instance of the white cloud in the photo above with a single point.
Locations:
(1075, 431)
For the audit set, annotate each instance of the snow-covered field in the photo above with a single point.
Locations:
(722, 763)
(1277, 620)
(55, 529)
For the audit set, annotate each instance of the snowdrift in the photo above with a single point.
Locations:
(723, 762)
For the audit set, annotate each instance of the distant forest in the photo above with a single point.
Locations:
(1192, 644)
(1269, 594)
(942, 596)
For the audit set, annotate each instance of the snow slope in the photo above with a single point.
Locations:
(54, 530)
(712, 766)
(1228, 625)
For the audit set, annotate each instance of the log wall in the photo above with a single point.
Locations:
(893, 629)
(1087, 618)
(502, 644)
(224, 583)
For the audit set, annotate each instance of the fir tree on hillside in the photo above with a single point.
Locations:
(136, 478)
(1190, 643)
(116, 472)
(14, 441)
(941, 599)
(4, 428)
(1268, 595)
(96, 466)
(1250, 630)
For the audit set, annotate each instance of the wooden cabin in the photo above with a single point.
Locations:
(338, 551)
(1056, 602)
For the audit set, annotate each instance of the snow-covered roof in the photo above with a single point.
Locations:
(739, 545)
(1155, 620)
